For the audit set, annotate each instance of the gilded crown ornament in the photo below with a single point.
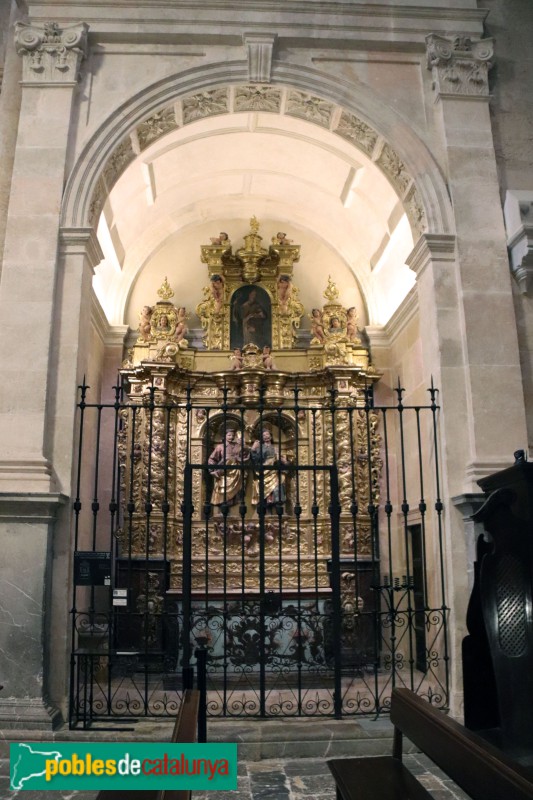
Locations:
(331, 292)
(165, 292)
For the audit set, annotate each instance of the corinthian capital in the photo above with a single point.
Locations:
(460, 65)
(51, 55)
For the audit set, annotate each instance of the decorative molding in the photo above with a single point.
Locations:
(110, 335)
(205, 104)
(157, 125)
(307, 106)
(120, 158)
(81, 241)
(257, 98)
(28, 713)
(431, 247)
(394, 168)
(269, 99)
(403, 316)
(460, 65)
(415, 212)
(477, 470)
(31, 506)
(518, 213)
(51, 55)
(260, 49)
(357, 132)
(27, 477)
(97, 202)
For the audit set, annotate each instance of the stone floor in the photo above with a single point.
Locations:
(288, 779)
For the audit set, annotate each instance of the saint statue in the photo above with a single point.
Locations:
(228, 483)
(266, 454)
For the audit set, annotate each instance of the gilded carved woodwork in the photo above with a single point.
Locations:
(183, 401)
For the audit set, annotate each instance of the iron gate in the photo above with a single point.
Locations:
(299, 545)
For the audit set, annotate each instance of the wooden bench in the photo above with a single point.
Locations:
(185, 731)
(481, 770)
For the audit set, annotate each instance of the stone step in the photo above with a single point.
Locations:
(257, 739)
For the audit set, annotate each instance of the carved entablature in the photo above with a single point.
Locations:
(251, 298)
(51, 54)
(460, 65)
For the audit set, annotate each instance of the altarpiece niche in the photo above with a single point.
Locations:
(241, 459)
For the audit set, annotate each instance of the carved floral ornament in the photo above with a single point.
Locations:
(273, 100)
(51, 54)
(460, 65)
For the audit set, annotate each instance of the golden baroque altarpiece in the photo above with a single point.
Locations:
(252, 375)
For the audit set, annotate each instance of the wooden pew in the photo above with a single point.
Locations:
(481, 770)
(185, 731)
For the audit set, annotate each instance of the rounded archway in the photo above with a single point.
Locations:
(290, 157)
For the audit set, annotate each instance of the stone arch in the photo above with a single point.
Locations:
(378, 131)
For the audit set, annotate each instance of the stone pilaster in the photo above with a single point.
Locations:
(10, 98)
(26, 523)
(42, 304)
(51, 57)
(488, 337)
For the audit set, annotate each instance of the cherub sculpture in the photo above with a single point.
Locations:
(281, 238)
(217, 291)
(145, 321)
(268, 361)
(351, 326)
(284, 292)
(317, 327)
(237, 358)
(222, 238)
(181, 325)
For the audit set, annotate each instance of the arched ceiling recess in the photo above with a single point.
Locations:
(295, 160)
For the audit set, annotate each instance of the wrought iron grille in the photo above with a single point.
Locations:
(300, 545)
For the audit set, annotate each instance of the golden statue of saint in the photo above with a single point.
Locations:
(228, 483)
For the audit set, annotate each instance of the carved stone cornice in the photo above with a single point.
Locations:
(81, 241)
(51, 55)
(260, 49)
(460, 65)
(431, 247)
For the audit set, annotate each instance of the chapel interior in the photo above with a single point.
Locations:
(266, 291)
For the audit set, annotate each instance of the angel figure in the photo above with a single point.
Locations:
(284, 292)
(237, 358)
(351, 326)
(317, 326)
(217, 291)
(181, 325)
(222, 238)
(145, 321)
(268, 361)
(281, 238)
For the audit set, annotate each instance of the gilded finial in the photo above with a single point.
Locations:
(331, 293)
(254, 225)
(165, 292)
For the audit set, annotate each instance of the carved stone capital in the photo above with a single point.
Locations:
(260, 48)
(51, 55)
(518, 213)
(460, 65)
